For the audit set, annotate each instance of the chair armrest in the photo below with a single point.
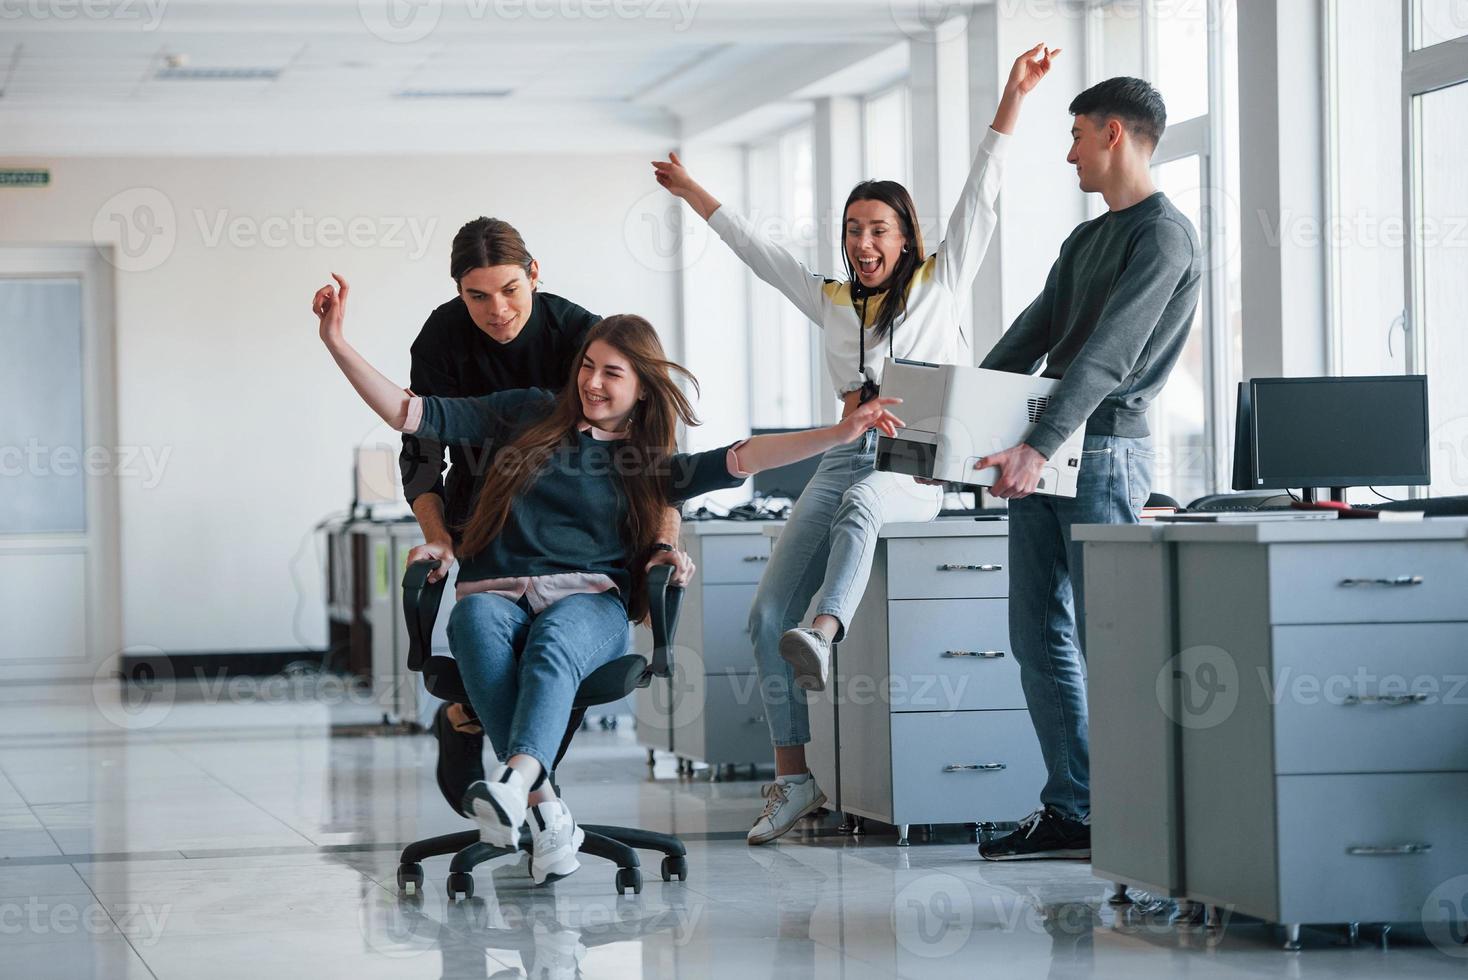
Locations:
(664, 599)
(421, 599)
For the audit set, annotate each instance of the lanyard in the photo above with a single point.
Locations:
(868, 387)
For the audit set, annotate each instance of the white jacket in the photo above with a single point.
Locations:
(930, 331)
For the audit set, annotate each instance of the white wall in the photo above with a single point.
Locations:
(220, 368)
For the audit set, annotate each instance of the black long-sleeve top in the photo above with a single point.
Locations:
(453, 358)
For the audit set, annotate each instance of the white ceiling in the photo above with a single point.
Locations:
(443, 76)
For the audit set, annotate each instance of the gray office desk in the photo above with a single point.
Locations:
(711, 710)
(1304, 758)
(925, 721)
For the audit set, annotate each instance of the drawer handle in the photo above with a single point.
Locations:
(1400, 580)
(1387, 850)
(980, 654)
(756, 557)
(951, 567)
(977, 767)
(1388, 699)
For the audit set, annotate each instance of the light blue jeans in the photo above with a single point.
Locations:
(1047, 605)
(522, 670)
(826, 548)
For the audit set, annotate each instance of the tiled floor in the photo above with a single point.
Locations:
(244, 840)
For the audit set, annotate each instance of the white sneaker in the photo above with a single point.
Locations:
(498, 804)
(785, 804)
(555, 842)
(558, 952)
(809, 652)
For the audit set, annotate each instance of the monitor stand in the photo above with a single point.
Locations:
(1310, 495)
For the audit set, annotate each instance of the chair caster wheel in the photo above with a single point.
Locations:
(410, 879)
(629, 878)
(675, 864)
(460, 885)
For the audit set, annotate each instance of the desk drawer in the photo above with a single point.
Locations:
(1350, 846)
(947, 568)
(734, 557)
(1368, 582)
(726, 643)
(951, 655)
(1372, 697)
(964, 767)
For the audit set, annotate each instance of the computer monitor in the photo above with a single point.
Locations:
(784, 481)
(1334, 432)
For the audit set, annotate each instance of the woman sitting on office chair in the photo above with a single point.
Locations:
(555, 548)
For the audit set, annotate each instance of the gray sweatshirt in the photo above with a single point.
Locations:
(1110, 323)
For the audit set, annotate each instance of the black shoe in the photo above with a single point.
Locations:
(1043, 834)
(460, 760)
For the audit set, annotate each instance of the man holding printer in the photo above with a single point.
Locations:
(1110, 323)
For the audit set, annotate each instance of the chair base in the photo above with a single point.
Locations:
(616, 844)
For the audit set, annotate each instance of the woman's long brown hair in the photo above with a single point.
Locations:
(651, 435)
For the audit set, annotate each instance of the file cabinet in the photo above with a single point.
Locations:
(925, 721)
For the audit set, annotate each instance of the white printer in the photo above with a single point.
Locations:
(957, 415)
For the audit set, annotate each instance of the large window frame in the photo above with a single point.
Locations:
(1204, 137)
(1425, 70)
(759, 293)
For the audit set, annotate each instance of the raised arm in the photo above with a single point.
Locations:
(771, 262)
(975, 216)
(388, 400)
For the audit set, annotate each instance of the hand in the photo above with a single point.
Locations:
(1019, 471)
(683, 567)
(671, 174)
(924, 482)
(1029, 68)
(872, 415)
(330, 308)
(441, 550)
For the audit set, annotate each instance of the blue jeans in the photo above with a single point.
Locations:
(825, 548)
(1047, 608)
(522, 670)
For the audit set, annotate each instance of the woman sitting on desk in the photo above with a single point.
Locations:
(556, 546)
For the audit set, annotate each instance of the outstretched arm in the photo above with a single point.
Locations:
(767, 452)
(388, 400)
(767, 259)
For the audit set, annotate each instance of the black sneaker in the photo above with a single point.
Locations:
(460, 760)
(1043, 834)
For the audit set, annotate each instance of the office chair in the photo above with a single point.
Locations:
(608, 683)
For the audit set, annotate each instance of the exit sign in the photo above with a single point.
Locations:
(24, 178)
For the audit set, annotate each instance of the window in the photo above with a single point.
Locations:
(886, 139)
(1436, 21)
(1440, 241)
(1364, 227)
(783, 343)
(1188, 50)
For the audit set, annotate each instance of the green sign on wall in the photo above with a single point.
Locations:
(24, 178)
